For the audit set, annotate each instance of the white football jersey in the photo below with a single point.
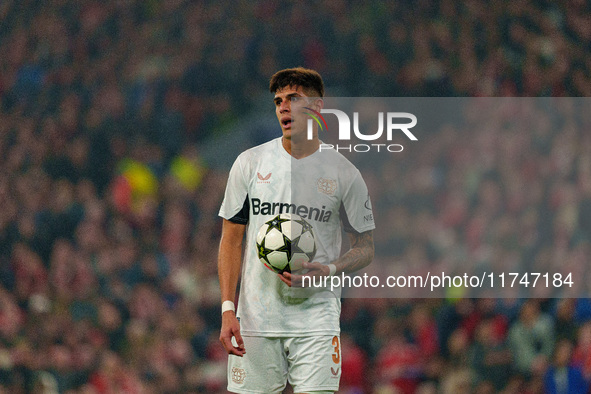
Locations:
(323, 188)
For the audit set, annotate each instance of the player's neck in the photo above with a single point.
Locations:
(300, 149)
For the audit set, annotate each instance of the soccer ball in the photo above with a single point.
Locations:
(285, 242)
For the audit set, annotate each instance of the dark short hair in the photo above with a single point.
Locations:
(299, 76)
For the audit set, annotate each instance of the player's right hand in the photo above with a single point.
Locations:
(309, 269)
(231, 328)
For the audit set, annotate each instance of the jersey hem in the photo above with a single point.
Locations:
(281, 334)
(238, 221)
(362, 230)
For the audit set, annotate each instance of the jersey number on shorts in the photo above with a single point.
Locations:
(336, 357)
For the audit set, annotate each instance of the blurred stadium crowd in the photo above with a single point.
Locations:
(108, 219)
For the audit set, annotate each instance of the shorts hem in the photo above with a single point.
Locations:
(316, 388)
(300, 389)
(245, 391)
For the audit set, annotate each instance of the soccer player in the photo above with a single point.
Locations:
(274, 337)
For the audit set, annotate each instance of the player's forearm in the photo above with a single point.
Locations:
(359, 256)
(354, 260)
(229, 259)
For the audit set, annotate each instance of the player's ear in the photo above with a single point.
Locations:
(318, 104)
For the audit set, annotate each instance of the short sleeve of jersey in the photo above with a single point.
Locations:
(356, 213)
(235, 207)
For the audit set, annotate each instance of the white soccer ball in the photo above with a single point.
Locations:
(285, 242)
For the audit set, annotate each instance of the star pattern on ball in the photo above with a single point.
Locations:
(295, 247)
(262, 249)
(276, 223)
(286, 248)
(305, 225)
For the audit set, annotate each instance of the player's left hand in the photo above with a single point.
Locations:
(313, 269)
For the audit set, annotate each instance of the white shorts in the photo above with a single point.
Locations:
(310, 364)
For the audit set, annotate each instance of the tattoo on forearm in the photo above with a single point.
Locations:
(360, 254)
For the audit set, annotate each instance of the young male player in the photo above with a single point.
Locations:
(273, 337)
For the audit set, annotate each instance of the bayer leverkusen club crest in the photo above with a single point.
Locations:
(327, 186)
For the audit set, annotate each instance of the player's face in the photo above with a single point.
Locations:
(289, 108)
